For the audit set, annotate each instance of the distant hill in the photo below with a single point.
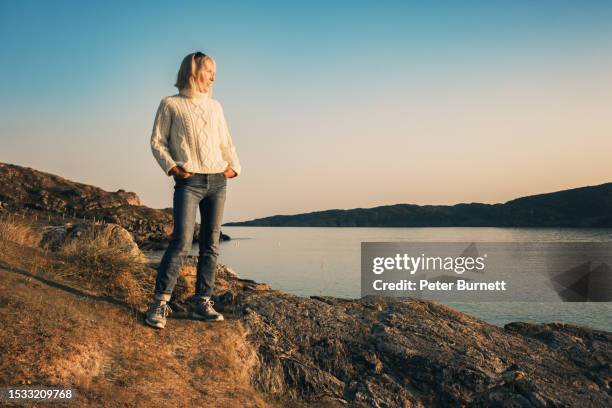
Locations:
(579, 207)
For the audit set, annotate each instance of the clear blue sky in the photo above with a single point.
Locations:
(330, 104)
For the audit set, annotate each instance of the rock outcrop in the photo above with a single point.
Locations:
(24, 187)
(111, 235)
(49, 195)
(372, 352)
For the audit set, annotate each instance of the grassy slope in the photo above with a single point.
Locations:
(62, 331)
(53, 337)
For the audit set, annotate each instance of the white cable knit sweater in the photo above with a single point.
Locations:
(190, 131)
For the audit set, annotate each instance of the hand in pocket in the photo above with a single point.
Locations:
(178, 173)
(229, 173)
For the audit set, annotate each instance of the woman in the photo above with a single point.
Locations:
(191, 142)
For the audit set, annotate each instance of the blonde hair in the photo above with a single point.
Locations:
(190, 67)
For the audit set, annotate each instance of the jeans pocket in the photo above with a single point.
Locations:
(184, 181)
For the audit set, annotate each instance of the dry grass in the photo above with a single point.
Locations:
(103, 352)
(19, 246)
(52, 337)
(92, 262)
(96, 263)
(19, 231)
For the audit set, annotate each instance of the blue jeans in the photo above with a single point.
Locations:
(206, 191)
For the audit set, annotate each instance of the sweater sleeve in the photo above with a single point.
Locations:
(228, 150)
(160, 137)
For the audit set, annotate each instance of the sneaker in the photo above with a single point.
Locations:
(203, 309)
(156, 314)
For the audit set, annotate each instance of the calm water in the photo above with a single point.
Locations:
(326, 261)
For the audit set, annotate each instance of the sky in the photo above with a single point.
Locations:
(330, 104)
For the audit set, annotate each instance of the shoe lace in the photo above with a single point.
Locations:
(163, 310)
(205, 303)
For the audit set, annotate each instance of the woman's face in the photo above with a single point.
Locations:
(206, 77)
